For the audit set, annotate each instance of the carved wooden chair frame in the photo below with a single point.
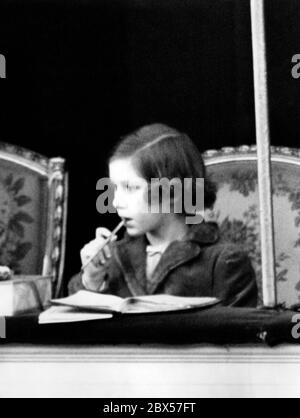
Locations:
(51, 169)
(285, 155)
(249, 152)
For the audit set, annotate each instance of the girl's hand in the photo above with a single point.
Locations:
(95, 258)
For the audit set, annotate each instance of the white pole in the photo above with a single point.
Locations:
(263, 153)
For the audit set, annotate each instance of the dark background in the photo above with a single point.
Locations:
(80, 73)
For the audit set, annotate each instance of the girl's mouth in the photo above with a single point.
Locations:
(126, 220)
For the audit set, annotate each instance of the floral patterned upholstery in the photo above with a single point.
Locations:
(32, 213)
(237, 210)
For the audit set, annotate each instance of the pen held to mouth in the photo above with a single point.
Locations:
(108, 240)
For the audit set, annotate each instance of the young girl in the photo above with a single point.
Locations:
(160, 252)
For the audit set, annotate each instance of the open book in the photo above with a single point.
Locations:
(85, 300)
(64, 314)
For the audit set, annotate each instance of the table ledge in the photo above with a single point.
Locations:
(156, 353)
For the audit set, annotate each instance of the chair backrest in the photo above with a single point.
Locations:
(33, 211)
(234, 170)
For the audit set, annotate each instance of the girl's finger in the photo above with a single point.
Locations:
(102, 232)
(95, 263)
(107, 252)
(104, 252)
(99, 259)
(107, 247)
(85, 254)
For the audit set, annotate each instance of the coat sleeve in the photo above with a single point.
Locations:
(234, 279)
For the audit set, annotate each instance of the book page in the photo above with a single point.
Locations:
(88, 300)
(63, 314)
(162, 303)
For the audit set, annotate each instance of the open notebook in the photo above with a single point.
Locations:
(86, 305)
(92, 301)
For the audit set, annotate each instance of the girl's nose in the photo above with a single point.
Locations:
(118, 200)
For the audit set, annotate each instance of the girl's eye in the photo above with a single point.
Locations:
(131, 187)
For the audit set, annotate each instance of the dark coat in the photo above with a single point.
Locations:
(200, 265)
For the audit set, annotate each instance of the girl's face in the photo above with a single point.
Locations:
(130, 198)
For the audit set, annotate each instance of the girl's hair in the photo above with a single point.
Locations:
(159, 151)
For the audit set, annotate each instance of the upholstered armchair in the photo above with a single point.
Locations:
(33, 210)
(234, 170)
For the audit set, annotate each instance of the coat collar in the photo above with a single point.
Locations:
(206, 233)
(131, 254)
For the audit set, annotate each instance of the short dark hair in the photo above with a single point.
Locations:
(159, 151)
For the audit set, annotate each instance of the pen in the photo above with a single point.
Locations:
(108, 239)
